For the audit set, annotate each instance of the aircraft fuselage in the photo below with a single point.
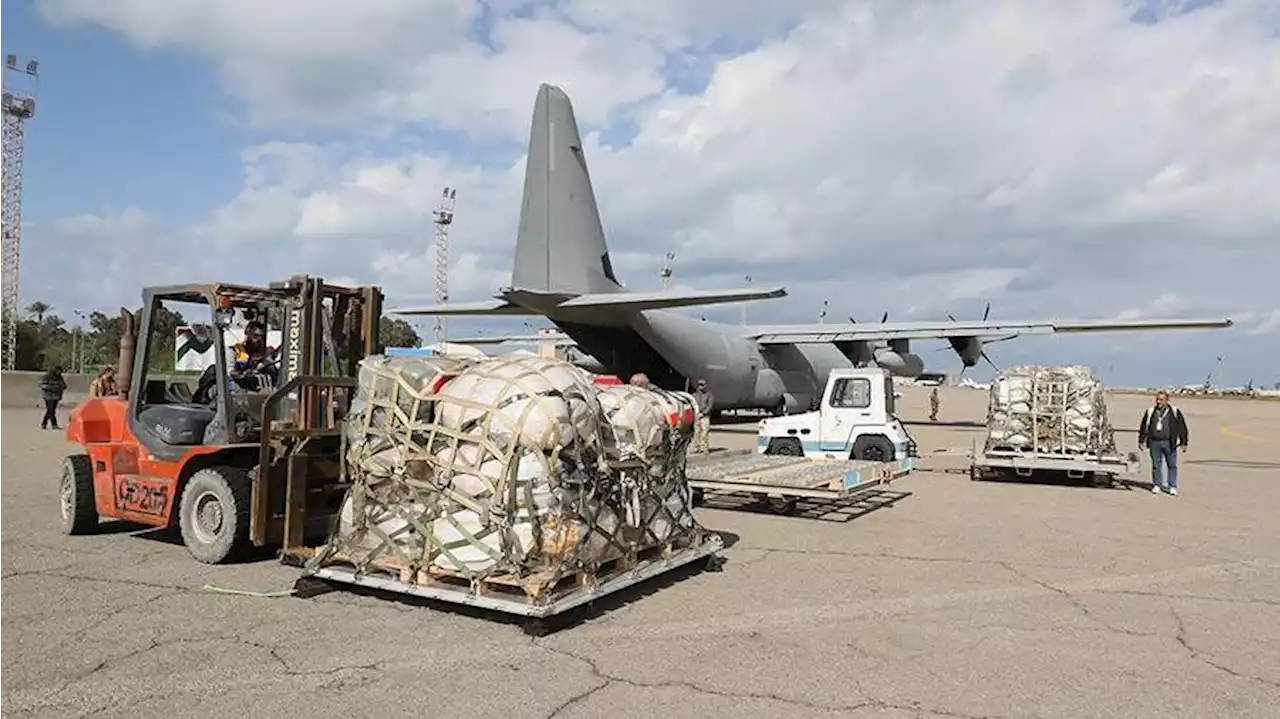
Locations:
(674, 350)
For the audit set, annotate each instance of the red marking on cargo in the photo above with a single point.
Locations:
(440, 382)
(676, 419)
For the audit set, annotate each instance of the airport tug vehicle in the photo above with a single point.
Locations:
(852, 445)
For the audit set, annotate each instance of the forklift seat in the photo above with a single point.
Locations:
(177, 424)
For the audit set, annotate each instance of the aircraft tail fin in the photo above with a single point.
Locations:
(560, 245)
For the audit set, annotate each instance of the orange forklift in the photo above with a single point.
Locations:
(252, 454)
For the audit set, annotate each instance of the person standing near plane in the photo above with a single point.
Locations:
(1162, 431)
(933, 405)
(702, 430)
(52, 387)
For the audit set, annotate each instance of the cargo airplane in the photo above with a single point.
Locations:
(562, 271)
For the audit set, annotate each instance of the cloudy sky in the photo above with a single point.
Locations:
(1092, 158)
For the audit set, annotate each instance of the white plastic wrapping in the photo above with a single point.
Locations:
(1050, 410)
(509, 465)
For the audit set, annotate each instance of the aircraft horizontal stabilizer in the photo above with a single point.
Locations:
(637, 301)
(483, 307)
(823, 333)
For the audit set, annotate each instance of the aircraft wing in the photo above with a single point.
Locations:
(497, 340)
(818, 334)
(483, 307)
(666, 299)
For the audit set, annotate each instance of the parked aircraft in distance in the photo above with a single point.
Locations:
(562, 271)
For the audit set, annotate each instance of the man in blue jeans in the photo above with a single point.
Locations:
(1162, 431)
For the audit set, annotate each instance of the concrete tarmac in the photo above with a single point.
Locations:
(961, 599)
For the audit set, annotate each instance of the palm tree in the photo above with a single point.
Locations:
(38, 309)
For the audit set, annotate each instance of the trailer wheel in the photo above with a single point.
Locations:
(79, 514)
(787, 446)
(698, 498)
(873, 449)
(214, 513)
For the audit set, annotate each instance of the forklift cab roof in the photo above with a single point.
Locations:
(209, 293)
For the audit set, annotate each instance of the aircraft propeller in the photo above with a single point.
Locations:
(884, 319)
(985, 314)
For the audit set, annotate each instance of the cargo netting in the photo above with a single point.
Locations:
(517, 470)
(1049, 410)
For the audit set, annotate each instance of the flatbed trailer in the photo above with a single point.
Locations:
(1102, 469)
(540, 597)
(781, 480)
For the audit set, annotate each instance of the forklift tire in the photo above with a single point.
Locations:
(787, 446)
(79, 513)
(214, 513)
(874, 449)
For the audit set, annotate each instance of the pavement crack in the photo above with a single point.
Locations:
(1198, 597)
(1201, 657)
(114, 580)
(608, 680)
(274, 653)
(1071, 599)
(863, 555)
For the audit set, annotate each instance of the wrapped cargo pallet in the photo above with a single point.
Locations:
(1049, 410)
(510, 471)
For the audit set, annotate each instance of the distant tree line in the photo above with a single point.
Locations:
(44, 340)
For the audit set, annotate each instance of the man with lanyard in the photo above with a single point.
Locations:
(1162, 431)
(249, 358)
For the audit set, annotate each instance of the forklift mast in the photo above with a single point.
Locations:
(321, 341)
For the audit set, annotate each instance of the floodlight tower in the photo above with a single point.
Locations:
(444, 218)
(18, 106)
(667, 270)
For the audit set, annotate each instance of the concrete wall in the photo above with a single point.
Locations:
(22, 389)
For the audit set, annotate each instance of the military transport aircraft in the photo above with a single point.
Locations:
(563, 272)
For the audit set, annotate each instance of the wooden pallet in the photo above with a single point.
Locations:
(538, 586)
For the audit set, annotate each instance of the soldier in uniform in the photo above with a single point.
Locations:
(702, 430)
(933, 405)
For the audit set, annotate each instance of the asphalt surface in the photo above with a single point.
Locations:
(960, 599)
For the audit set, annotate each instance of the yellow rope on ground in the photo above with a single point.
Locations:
(247, 593)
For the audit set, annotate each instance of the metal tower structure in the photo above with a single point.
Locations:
(444, 218)
(667, 270)
(18, 105)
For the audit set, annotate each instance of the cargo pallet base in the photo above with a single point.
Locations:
(781, 480)
(537, 597)
(1103, 470)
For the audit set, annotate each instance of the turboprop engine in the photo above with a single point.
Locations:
(897, 358)
(969, 349)
(900, 364)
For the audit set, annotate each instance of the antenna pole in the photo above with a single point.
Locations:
(18, 106)
(667, 270)
(444, 218)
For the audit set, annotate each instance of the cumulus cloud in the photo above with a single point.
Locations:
(1093, 158)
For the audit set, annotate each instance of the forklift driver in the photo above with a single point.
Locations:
(249, 362)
